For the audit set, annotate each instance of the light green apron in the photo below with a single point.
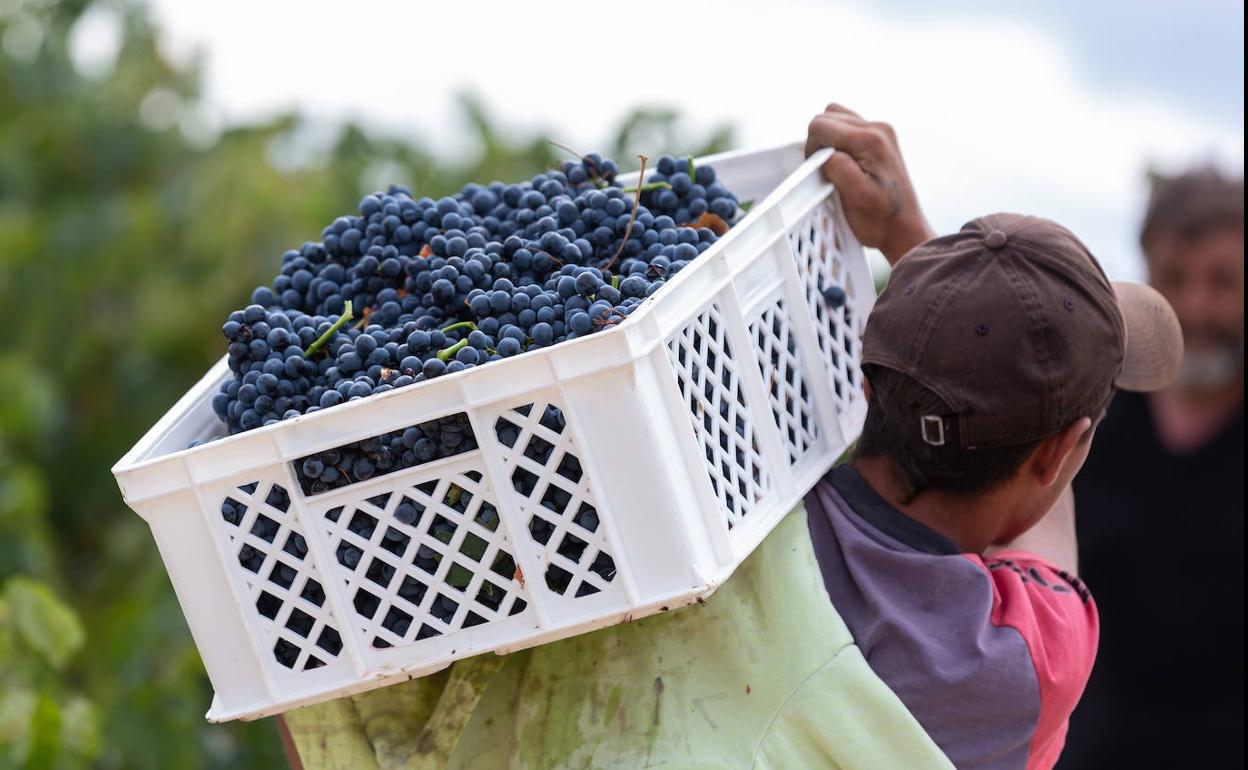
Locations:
(764, 675)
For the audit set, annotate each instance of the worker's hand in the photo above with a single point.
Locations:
(875, 188)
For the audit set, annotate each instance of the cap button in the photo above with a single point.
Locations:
(995, 239)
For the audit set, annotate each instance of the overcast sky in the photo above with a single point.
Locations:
(1051, 108)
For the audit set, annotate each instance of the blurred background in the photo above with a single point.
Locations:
(156, 159)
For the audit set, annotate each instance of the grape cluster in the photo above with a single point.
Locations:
(685, 192)
(379, 455)
(410, 289)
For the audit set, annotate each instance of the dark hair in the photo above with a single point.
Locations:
(919, 466)
(1192, 204)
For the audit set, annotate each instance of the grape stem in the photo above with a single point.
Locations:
(342, 321)
(641, 180)
(566, 148)
(469, 325)
(444, 355)
(585, 161)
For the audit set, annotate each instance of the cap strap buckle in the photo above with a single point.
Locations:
(932, 428)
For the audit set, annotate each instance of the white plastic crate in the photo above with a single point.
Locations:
(686, 434)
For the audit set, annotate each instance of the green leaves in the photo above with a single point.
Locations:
(655, 130)
(37, 731)
(80, 727)
(41, 726)
(29, 409)
(43, 622)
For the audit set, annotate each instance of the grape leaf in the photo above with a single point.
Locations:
(44, 732)
(80, 727)
(17, 707)
(44, 622)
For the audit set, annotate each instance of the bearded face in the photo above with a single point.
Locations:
(1203, 278)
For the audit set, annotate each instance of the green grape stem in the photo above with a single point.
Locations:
(469, 325)
(320, 341)
(445, 355)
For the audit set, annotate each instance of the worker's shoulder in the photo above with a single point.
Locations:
(844, 715)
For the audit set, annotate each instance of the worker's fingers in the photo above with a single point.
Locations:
(886, 129)
(839, 109)
(848, 177)
(846, 134)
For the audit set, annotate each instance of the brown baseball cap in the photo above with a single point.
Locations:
(1013, 325)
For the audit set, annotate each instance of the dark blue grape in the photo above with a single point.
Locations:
(723, 208)
(433, 368)
(330, 398)
(835, 296)
(587, 283)
(508, 346)
(542, 334)
(363, 469)
(580, 322)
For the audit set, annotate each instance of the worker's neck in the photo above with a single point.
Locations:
(973, 523)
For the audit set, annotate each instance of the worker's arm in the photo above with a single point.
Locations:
(868, 171)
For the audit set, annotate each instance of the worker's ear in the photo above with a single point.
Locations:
(1047, 459)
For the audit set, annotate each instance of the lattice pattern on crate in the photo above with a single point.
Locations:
(281, 582)
(425, 560)
(821, 265)
(709, 381)
(557, 505)
(780, 363)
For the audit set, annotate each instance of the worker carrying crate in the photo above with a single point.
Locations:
(957, 632)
